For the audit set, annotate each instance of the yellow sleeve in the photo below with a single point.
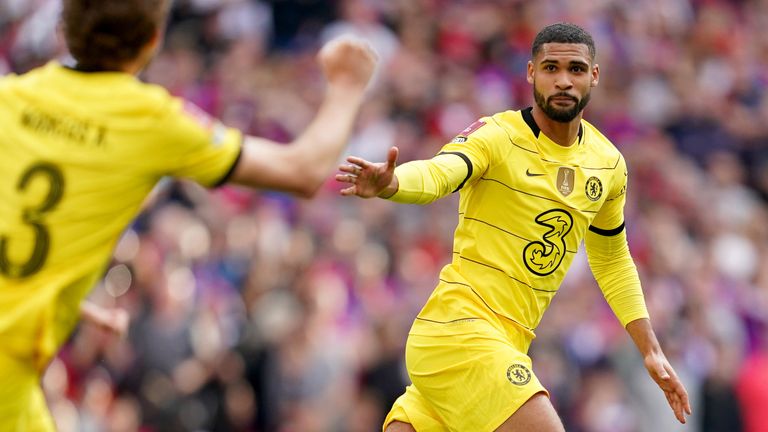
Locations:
(615, 272)
(459, 163)
(611, 214)
(424, 181)
(609, 257)
(196, 146)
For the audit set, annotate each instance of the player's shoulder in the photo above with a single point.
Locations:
(12, 80)
(488, 127)
(598, 142)
(512, 126)
(505, 121)
(602, 151)
(8, 79)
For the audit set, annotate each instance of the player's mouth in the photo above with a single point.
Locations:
(563, 100)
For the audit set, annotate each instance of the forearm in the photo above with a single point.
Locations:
(302, 166)
(319, 147)
(643, 336)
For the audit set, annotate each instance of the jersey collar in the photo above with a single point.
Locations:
(528, 118)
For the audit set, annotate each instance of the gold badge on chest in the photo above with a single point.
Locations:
(565, 179)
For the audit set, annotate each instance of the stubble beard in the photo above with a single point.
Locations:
(561, 115)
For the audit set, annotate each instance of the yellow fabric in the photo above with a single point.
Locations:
(22, 403)
(424, 181)
(475, 388)
(80, 152)
(518, 229)
(526, 204)
(617, 276)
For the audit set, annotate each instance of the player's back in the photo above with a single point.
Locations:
(79, 152)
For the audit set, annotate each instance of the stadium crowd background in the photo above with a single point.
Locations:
(259, 312)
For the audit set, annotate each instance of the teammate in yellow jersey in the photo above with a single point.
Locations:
(533, 184)
(82, 146)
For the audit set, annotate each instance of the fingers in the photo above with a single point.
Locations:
(362, 163)
(351, 169)
(677, 397)
(346, 178)
(662, 372)
(682, 395)
(120, 322)
(675, 404)
(352, 190)
(392, 157)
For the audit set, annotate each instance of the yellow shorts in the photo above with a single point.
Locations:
(467, 375)
(22, 403)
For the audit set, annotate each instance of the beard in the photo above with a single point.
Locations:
(561, 115)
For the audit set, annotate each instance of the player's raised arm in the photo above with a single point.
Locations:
(301, 166)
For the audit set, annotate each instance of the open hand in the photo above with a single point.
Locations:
(368, 179)
(661, 371)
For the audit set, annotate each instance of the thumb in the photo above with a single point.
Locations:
(392, 157)
(662, 372)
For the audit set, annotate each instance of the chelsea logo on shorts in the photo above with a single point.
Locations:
(518, 374)
(594, 188)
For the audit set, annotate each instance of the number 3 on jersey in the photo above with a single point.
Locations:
(34, 219)
(543, 258)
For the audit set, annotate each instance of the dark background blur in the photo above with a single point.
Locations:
(258, 312)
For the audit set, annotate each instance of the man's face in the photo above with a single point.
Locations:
(562, 75)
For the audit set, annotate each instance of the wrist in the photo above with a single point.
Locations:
(390, 190)
(349, 92)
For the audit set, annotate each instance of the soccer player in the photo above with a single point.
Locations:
(82, 146)
(533, 184)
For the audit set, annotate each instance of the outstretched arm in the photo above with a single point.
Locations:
(415, 182)
(302, 166)
(659, 368)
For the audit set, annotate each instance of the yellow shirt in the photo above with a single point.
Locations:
(79, 152)
(526, 204)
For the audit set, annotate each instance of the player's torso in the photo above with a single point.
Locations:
(522, 221)
(71, 180)
(69, 169)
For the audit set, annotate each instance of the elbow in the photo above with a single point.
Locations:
(308, 173)
(308, 191)
(309, 184)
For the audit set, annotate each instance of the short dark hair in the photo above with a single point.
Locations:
(563, 33)
(106, 34)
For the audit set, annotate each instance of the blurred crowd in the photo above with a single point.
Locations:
(254, 311)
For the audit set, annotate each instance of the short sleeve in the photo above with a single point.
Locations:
(197, 146)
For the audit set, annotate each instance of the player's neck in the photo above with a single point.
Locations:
(563, 134)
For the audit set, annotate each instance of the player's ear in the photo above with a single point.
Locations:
(595, 75)
(529, 75)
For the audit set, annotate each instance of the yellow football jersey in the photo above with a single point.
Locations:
(525, 206)
(79, 153)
